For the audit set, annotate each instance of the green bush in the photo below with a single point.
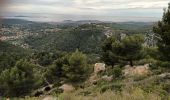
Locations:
(117, 72)
(166, 87)
(19, 81)
(165, 64)
(127, 49)
(146, 61)
(114, 87)
(152, 52)
(73, 68)
(160, 67)
(77, 68)
(55, 72)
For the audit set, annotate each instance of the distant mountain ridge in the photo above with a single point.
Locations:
(16, 21)
(82, 21)
(22, 21)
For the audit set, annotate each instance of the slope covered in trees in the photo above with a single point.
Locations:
(86, 38)
(124, 68)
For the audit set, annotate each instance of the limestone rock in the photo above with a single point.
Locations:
(136, 70)
(67, 88)
(99, 67)
(49, 98)
(165, 75)
(107, 78)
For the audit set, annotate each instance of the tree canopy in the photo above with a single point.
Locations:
(126, 49)
(163, 31)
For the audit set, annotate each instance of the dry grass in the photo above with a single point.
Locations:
(134, 94)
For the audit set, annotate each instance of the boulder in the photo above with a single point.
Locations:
(165, 75)
(67, 88)
(136, 70)
(99, 67)
(49, 98)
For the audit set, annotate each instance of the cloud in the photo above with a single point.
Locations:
(94, 4)
(148, 8)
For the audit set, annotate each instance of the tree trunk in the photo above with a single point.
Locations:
(131, 63)
(113, 66)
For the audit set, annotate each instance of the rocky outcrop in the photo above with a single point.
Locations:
(136, 70)
(107, 78)
(98, 67)
(165, 75)
(49, 98)
(67, 88)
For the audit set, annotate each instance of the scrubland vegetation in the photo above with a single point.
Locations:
(133, 70)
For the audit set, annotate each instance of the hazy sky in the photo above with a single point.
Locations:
(108, 10)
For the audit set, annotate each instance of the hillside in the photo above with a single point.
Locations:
(133, 27)
(9, 48)
(57, 36)
(82, 60)
(84, 50)
(15, 21)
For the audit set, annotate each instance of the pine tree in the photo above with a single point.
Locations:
(77, 70)
(110, 50)
(19, 80)
(163, 31)
(132, 48)
(71, 68)
(127, 49)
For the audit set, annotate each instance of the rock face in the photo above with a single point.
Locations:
(67, 88)
(136, 70)
(99, 67)
(94, 78)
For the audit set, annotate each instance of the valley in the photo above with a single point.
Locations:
(85, 60)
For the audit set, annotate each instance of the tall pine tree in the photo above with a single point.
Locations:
(163, 31)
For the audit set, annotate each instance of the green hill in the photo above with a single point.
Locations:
(9, 48)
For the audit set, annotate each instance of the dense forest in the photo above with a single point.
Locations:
(85, 61)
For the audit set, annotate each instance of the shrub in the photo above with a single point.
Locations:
(135, 94)
(117, 72)
(77, 68)
(72, 68)
(18, 81)
(165, 64)
(113, 87)
(127, 49)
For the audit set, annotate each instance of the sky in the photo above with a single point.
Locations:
(104, 10)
